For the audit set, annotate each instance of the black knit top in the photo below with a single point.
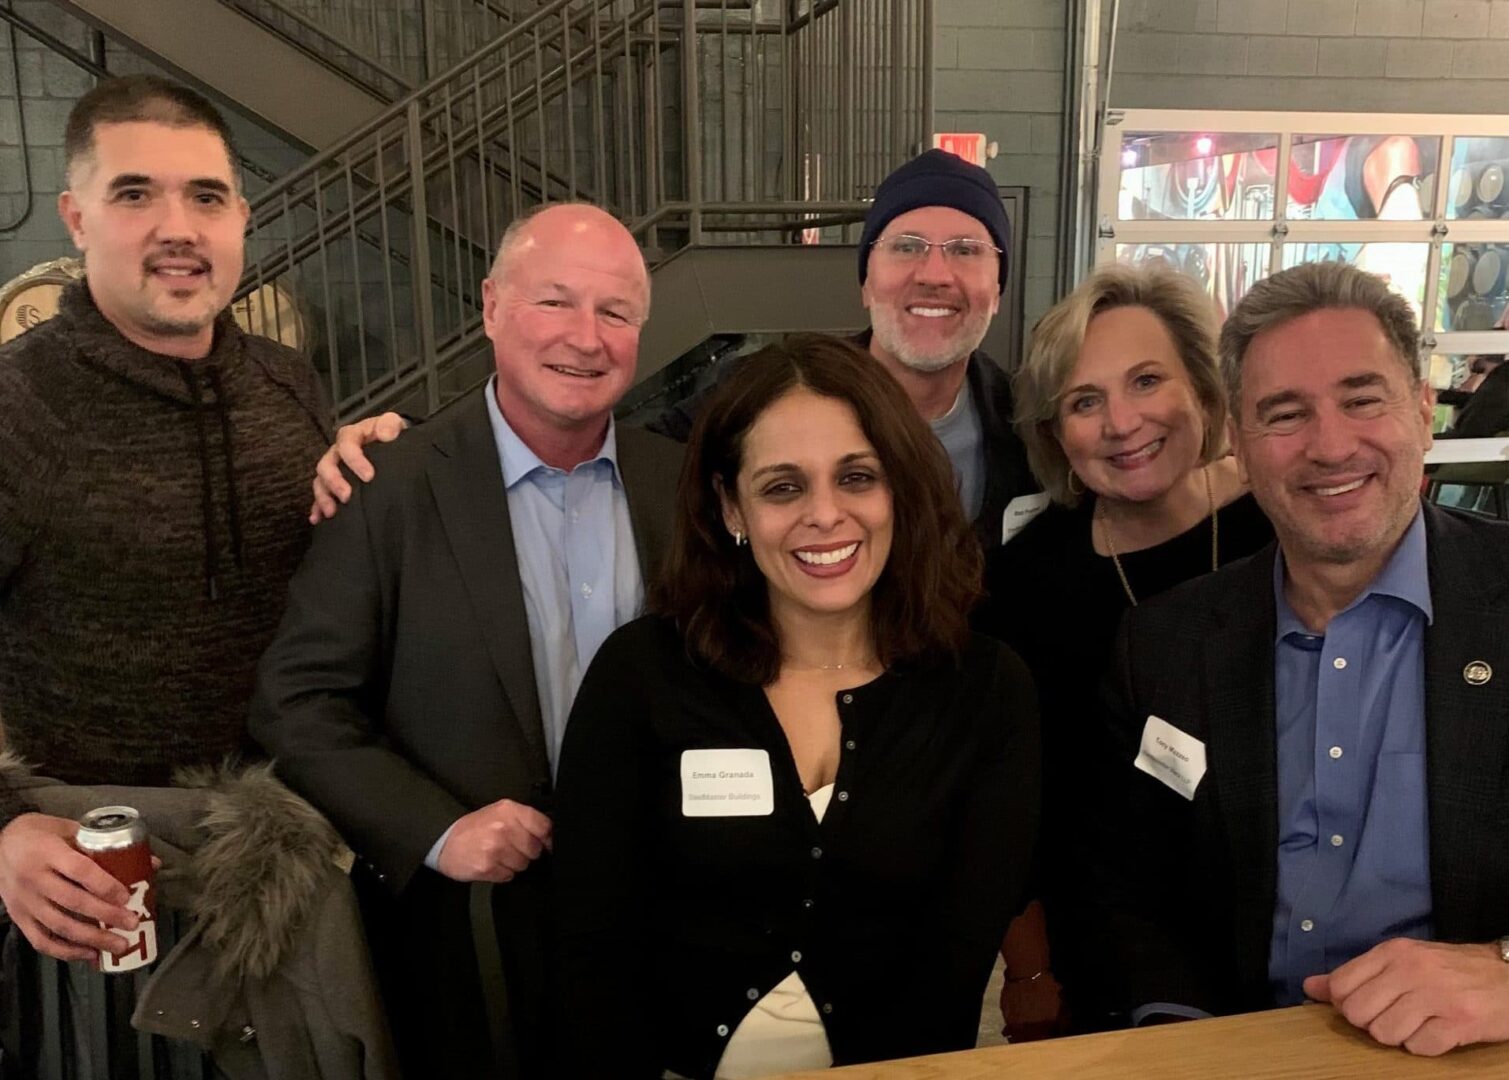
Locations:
(1058, 603)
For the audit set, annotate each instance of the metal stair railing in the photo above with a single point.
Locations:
(696, 121)
(406, 41)
(418, 38)
(328, 47)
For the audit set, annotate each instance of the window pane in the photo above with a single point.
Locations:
(1474, 287)
(1187, 176)
(1362, 177)
(1401, 265)
(1472, 395)
(1479, 179)
(1224, 271)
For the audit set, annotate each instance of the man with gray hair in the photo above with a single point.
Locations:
(1310, 803)
(418, 688)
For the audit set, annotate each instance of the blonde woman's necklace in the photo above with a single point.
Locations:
(1215, 536)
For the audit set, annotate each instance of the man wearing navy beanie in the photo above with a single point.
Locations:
(932, 267)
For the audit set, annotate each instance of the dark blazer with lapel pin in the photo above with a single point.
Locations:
(1176, 899)
(399, 693)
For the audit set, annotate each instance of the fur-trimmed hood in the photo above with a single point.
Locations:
(245, 856)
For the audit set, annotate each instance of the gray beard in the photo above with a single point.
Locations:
(886, 327)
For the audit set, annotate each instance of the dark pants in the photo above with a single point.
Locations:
(457, 1008)
(69, 1022)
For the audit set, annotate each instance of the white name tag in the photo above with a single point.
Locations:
(1171, 756)
(726, 783)
(1020, 511)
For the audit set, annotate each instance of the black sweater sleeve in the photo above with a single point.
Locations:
(981, 892)
(603, 827)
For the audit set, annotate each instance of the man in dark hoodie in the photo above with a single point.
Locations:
(153, 479)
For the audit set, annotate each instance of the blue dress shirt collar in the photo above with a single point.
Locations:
(519, 461)
(1406, 576)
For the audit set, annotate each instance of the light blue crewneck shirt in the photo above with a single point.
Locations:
(963, 438)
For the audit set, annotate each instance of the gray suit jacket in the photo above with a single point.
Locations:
(1177, 899)
(399, 693)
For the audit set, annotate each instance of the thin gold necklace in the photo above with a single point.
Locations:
(1215, 536)
(829, 667)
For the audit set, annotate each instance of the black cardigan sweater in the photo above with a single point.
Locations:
(891, 909)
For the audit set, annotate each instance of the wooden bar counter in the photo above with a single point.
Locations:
(1310, 1041)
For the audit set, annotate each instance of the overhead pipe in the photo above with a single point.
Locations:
(1086, 91)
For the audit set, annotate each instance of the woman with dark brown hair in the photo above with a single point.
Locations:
(797, 802)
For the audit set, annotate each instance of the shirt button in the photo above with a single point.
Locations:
(808, 904)
(848, 699)
(827, 1008)
(1307, 926)
(576, 515)
(1339, 663)
(817, 853)
(752, 994)
(843, 796)
(1335, 752)
(722, 1031)
(796, 956)
(1337, 841)
(586, 589)
(849, 745)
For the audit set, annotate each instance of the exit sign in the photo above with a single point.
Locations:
(969, 145)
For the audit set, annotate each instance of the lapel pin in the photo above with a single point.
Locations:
(1477, 673)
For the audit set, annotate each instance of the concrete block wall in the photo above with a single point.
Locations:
(1447, 56)
(49, 85)
(37, 89)
(999, 68)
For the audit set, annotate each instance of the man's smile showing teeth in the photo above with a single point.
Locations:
(827, 558)
(931, 312)
(177, 270)
(577, 373)
(1341, 489)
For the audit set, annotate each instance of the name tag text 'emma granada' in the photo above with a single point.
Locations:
(726, 783)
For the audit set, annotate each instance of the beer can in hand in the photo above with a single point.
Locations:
(116, 839)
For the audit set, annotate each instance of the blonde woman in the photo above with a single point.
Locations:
(1121, 406)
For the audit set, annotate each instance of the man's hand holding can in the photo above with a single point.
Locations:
(58, 896)
(115, 837)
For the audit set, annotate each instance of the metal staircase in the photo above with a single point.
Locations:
(701, 123)
(296, 92)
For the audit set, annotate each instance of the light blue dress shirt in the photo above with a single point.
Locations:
(577, 562)
(1354, 837)
(963, 438)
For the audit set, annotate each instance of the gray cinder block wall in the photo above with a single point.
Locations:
(49, 86)
(1446, 56)
(999, 70)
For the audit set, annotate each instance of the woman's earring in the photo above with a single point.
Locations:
(1073, 478)
(738, 538)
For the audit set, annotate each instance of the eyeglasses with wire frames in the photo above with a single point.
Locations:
(964, 250)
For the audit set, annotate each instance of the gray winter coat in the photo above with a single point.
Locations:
(273, 978)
